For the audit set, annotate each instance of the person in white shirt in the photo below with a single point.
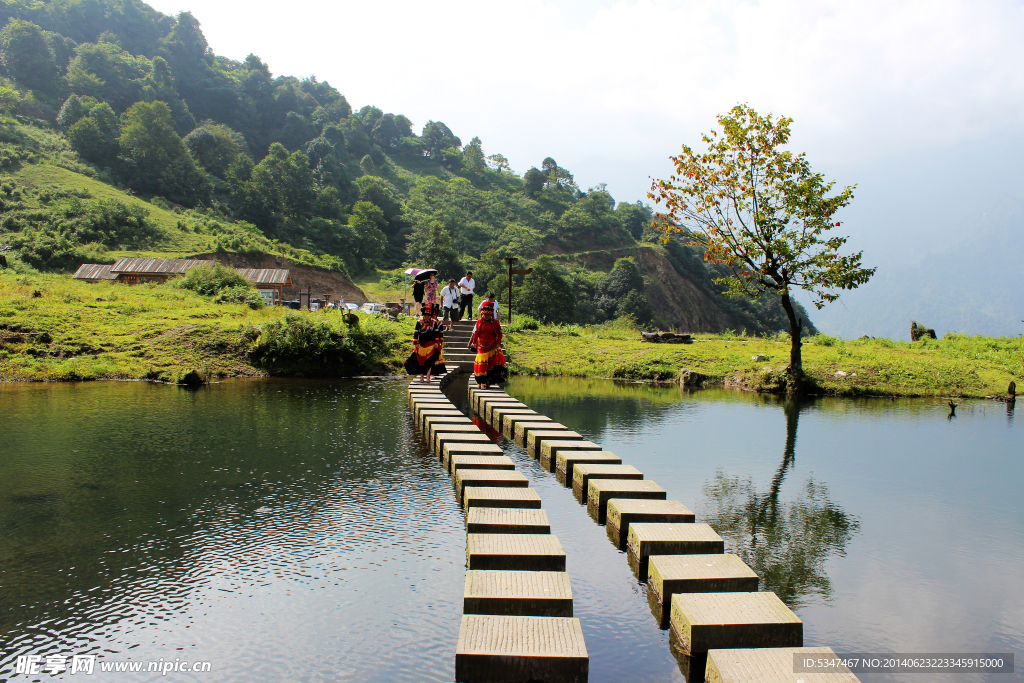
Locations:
(466, 287)
(450, 303)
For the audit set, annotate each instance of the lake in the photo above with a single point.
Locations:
(301, 530)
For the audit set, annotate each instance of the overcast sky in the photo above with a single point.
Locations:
(611, 89)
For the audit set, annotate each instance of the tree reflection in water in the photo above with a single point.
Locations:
(786, 543)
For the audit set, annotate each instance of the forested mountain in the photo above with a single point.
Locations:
(138, 100)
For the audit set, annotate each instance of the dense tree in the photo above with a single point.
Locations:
(546, 294)
(26, 55)
(386, 132)
(214, 147)
(367, 221)
(438, 137)
(761, 212)
(616, 288)
(70, 111)
(636, 219)
(430, 246)
(533, 182)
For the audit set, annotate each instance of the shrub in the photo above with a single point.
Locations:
(825, 340)
(240, 295)
(211, 280)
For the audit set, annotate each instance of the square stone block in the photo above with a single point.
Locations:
(480, 462)
(508, 649)
(511, 404)
(585, 471)
(499, 497)
(534, 437)
(480, 520)
(453, 448)
(551, 447)
(600, 491)
(658, 538)
(624, 511)
(515, 552)
(726, 573)
(463, 434)
(519, 593)
(509, 421)
(436, 412)
(566, 460)
(715, 621)
(492, 478)
(438, 424)
(499, 413)
(523, 428)
(770, 665)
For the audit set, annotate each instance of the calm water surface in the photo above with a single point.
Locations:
(301, 531)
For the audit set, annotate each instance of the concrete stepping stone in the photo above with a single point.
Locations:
(419, 409)
(534, 437)
(725, 573)
(510, 649)
(453, 448)
(525, 594)
(433, 423)
(480, 462)
(469, 435)
(499, 497)
(493, 478)
(716, 621)
(600, 491)
(511, 404)
(771, 665)
(515, 552)
(585, 471)
(510, 420)
(499, 413)
(422, 415)
(624, 511)
(481, 520)
(523, 429)
(566, 460)
(479, 398)
(550, 448)
(657, 538)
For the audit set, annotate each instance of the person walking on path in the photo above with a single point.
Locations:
(466, 287)
(430, 290)
(450, 303)
(427, 342)
(489, 365)
(417, 295)
(490, 301)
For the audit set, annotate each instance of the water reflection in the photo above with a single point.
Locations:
(786, 543)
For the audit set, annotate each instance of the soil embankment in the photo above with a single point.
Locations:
(323, 282)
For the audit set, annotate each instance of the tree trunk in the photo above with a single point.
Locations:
(796, 363)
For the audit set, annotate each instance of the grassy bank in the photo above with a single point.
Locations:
(56, 328)
(957, 365)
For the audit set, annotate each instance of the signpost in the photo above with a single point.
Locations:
(520, 271)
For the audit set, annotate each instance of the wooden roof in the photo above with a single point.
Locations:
(94, 271)
(162, 266)
(267, 276)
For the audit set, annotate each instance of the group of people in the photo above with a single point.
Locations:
(455, 299)
(427, 356)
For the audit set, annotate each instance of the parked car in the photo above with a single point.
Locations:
(370, 307)
(352, 307)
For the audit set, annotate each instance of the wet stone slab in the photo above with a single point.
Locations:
(519, 593)
(488, 478)
(566, 460)
(498, 415)
(770, 665)
(584, 472)
(656, 538)
(500, 497)
(713, 573)
(453, 448)
(624, 511)
(712, 621)
(491, 407)
(438, 424)
(422, 415)
(515, 552)
(489, 520)
(510, 420)
(534, 437)
(480, 462)
(510, 649)
(463, 434)
(600, 491)
(522, 429)
(551, 447)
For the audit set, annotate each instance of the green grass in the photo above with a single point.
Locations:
(56, 328)
(957, 365)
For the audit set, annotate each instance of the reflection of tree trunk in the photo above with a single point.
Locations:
(769, 506)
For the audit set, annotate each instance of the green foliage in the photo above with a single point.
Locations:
(26, 55)
(213, 280)
(238, 294)
(430, 246)
(214, 147)
(545, 294)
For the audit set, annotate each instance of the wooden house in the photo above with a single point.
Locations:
(269, 281)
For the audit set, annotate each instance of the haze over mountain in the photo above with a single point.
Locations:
(916, 102)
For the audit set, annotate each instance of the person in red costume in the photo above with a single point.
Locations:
(489, 365)
(427, 341)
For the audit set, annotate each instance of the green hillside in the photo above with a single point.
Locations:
(124, 133)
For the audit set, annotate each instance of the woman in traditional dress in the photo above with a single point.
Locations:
(427, 341)
(489, 366)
